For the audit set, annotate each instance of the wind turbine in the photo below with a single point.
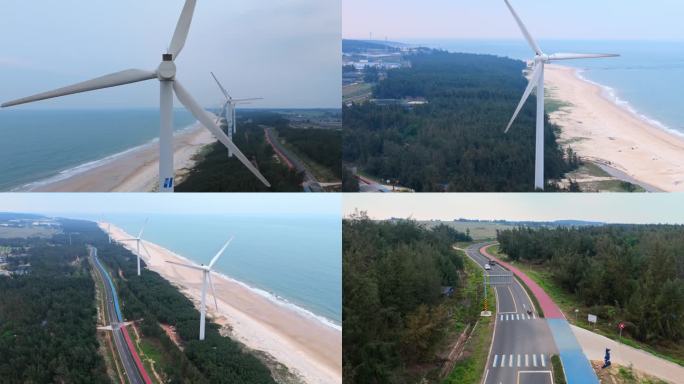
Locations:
(166, 74)
(229, 106)
(537, 81)
(138, 243)
(206, 276)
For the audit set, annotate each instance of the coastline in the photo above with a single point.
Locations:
(601, 129)
(133, 170)
(297, 338)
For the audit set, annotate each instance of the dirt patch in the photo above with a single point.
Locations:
(172, 334)
(617, 374)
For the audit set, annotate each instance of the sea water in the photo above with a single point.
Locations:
(647, 78)
(294, 260)
(37, 145)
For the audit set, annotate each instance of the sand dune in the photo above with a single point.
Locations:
(600, 130)
(303, 344)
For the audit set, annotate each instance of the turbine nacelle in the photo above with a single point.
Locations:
(166, 70)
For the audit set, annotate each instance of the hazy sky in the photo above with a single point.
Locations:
(546, 19)
(210, 203)
(610, 207)
(285, 51)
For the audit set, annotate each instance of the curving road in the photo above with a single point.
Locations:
(134, 370)
(522, 344)
(310, 183)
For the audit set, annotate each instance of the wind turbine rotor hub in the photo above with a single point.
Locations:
(166, 70)
(543, 58)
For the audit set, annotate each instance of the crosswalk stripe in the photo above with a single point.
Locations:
(534, 359)
(528, 317)
(510, 360)
(542, 360)
(533, 316)
(501, 317)
(496, 357)
(506, 317)
(527, 361)
(517, 316)
(518, 360)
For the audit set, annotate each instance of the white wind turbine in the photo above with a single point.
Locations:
(206, 277)
(229, 107)
(537, 81)
(138, 242)
(166, 74)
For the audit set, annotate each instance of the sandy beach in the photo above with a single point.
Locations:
(601, 131)
(133, 171)
(303, 344)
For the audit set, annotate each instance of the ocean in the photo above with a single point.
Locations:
(296, 260)
(36, 145)
(646, 79)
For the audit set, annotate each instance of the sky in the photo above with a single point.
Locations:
(490, 19)
(257, 204)
(285, 51)
(639, 208)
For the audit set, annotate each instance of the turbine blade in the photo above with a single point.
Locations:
(149, 257)
(200, 114)
(573, 56)
(182, 28)
(215, 259)
(213, 293)
(186, 265)
(523, 28)
(223, 90)
(534, 79)
(143, 228)
(112, 80)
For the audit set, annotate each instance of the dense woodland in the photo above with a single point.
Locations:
(215, 172)
(625, 273)
(48, 317)
(394, 312)
(324, 146)
(153, 300)
(456, 142)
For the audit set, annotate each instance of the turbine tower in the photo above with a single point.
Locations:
(537, 81)
(166, 74)
(229, 107)
(138, 243)
(206, 277)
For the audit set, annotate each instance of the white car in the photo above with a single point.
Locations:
(487, 267)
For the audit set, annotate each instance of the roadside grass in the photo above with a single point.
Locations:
(568, 303)
(151, 356)
(470, 369)
(321, 172)
(558, 372)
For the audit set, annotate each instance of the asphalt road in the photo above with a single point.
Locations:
(523, 344)
(125, 355)
(310, 183)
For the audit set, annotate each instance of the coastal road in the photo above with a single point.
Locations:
(310, 183)
(522, 345)
(134, 370)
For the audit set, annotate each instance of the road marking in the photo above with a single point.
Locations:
(485, 378)
(528, 317)
(534, 359)
(510, 360)
(501, 317)
(517, 316)
(533, 316)
(506, 317)
(530, 372)
(542, 360)
(527, 361)
(518, 360)
(496, 357)
(512, 297)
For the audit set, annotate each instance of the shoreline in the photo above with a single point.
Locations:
(598, 125)
(133, 170)
(301, 341)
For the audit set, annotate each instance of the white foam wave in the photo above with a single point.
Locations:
(85, 167)
(610, 94)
